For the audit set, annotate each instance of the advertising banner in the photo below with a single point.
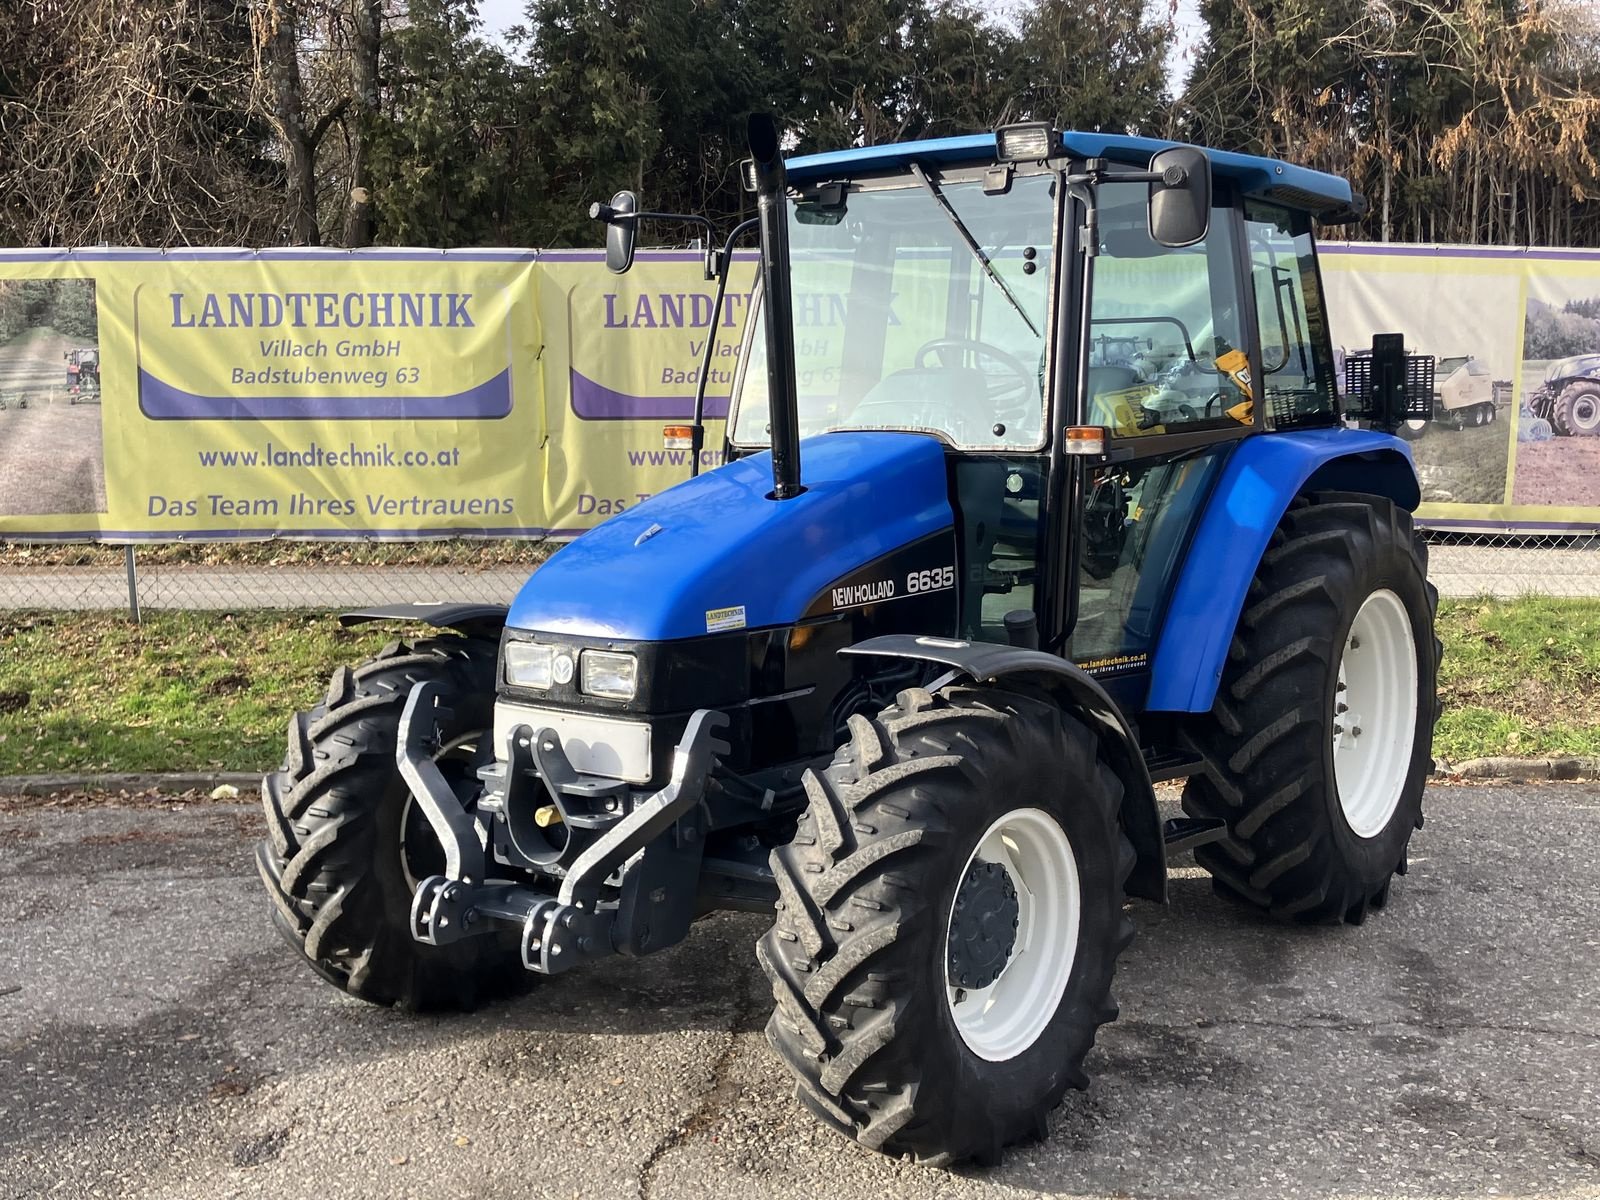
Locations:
(149, 396)
(213, 394)
(1515, 338)
(623, 354)
(207, 394)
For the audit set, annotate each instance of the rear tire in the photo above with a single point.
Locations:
(1319, 821)
(345, 844)
(1577, 410)
(861, 957)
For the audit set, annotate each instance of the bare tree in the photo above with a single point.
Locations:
(130, 121)
(365, 45)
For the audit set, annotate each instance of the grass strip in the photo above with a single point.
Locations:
(187, 691)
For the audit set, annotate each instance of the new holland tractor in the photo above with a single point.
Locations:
(902, 673)
(1569, 397)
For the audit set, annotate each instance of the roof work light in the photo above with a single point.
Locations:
(1030, 141)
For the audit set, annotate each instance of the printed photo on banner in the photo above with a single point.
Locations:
(1460, 310)
(52, 457)
(1558, 451)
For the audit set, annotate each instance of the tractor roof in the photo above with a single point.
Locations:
(1298, 187)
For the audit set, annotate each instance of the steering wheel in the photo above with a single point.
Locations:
(1010, 391)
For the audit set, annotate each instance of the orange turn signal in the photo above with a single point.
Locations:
(1084, 439)
(678, 437)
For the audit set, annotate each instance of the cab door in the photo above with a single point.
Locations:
(1169, 373)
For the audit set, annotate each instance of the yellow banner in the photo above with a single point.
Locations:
(213, 394)
(624, 354)
(294, 393)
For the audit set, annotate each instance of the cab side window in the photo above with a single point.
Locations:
(1166, 344)
(1296, 350)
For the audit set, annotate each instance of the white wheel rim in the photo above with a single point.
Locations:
(1375, 713)
(1002, 1020)
(1586, 413)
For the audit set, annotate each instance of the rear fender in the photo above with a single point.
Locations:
(1077, 693)
(1258, 484)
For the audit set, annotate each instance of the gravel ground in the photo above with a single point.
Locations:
(51, 460)
(157, 1040)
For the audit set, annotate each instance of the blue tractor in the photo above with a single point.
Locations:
(1569, 396)
(1039, 493)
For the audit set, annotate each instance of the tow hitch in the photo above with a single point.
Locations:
(559, 931)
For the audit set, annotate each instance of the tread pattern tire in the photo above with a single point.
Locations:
(856, 955)
(331, 861)
(1265, 747)
(1576, 411)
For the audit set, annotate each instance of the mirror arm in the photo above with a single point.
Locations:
(1103, 176)
(608, 215)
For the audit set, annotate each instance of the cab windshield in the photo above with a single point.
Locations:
(900, 325)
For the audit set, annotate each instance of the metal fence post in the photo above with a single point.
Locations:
(133, 584)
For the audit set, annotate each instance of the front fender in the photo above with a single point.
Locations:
(482, 620)
(1259, 482)
(1076, 692)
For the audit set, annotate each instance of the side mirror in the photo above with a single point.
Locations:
(1180, 203)
(620, 234)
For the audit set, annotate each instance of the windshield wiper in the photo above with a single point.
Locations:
(972, 244)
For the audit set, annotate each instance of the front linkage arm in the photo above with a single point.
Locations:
(560, 931)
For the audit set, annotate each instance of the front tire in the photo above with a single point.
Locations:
(949, 832)
(346, 846)
(1319, 744)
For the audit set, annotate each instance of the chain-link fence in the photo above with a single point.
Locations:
(270, 574)
(334, 575)
(1508, 565)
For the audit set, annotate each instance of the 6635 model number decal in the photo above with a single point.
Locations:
(934, 579)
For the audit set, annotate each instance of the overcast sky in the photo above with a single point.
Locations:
(499, 15)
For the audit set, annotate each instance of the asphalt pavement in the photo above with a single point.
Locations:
(158, 1040)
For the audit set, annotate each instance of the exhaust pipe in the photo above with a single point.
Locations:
(773, 215)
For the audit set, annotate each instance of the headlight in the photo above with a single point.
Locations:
(531, 665)
(615, 676)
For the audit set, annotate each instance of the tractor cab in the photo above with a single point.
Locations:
(1038, 492)
(1087, 373)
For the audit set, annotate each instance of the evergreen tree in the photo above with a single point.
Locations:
(1094, 65)
(449, 159)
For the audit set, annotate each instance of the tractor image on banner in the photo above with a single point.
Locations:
(1038, 490)
(1569, 396)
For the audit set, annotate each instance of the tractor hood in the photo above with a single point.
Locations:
(714, 553)
(1578, 366)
